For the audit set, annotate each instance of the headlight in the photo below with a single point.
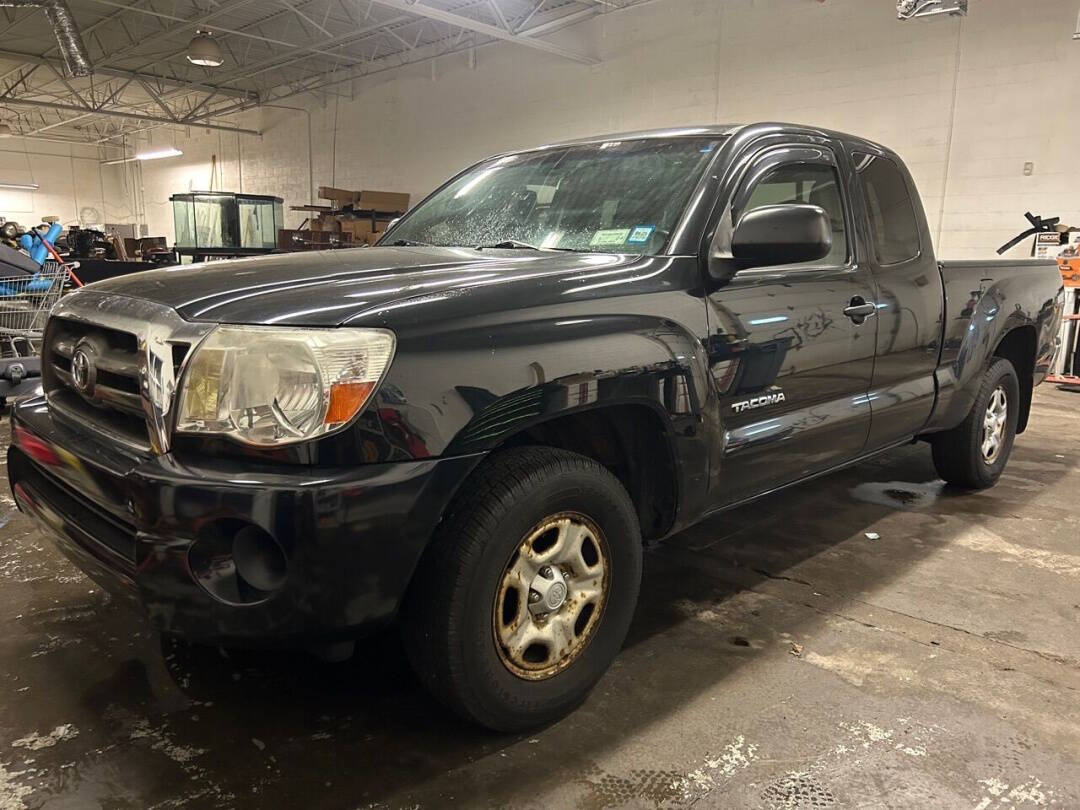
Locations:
(278, 385)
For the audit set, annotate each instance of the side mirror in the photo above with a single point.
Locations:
(781, 234)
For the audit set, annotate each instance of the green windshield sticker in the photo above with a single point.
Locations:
(641, 234)
(612, 236)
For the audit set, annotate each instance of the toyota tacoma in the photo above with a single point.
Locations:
(472, 427)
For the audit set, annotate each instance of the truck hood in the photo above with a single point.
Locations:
(370, 286)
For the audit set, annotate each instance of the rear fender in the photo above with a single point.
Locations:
(976, 323)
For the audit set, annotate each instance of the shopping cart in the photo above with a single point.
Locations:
(25, 302)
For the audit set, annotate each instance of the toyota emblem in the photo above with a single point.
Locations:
(83, 371)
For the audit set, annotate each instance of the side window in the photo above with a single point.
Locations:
(810, 183)
(894, 228)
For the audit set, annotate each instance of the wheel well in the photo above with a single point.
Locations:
(1019, 347)
(631, 442)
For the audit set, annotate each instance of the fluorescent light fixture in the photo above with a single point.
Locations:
(21, 186)
(157, 154)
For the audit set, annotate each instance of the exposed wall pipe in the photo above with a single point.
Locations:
(68, 37)
(310, 149)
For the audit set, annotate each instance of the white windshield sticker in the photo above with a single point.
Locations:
(552, 239)
(612, 236)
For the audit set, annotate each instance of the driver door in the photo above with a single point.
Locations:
(791, 366)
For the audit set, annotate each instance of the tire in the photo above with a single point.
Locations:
(472, 589)
(960, 456)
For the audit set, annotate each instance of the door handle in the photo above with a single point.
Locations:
(860, 309)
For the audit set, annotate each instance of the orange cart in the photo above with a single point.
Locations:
(1067, 368)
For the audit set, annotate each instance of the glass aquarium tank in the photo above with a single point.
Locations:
(217, 223)
(260, 219)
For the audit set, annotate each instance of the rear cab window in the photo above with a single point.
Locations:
(894, 227)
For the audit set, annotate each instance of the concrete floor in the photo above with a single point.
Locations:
(867, 640)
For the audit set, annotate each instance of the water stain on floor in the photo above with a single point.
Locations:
(899, 494)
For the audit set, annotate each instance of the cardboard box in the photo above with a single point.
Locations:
(359, 228)
(373, 237)
(1047, 245)
(389, 201)
(340, 196)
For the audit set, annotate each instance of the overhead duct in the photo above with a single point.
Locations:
(68, 36)
(909, 9)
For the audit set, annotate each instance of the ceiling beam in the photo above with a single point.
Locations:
(557, 23)
(494, 31)
(34, 59)
(150, 91)
(368, 67)
(280, 60)
(306, 18)
(314, 46)
(180, 25)
(183, 23)
(499, 15)
(62, 123)
(537, 6)
(52, 105)
(371, 66)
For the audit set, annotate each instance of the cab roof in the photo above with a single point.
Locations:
(716, 130)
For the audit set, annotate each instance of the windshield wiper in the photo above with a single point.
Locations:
(515, 244)
(409, 243)
(508, 244)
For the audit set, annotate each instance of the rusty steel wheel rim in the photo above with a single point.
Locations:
(551, 596)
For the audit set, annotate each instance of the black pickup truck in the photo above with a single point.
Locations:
(473, 426)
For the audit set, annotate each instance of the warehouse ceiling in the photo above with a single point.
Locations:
(272, 51)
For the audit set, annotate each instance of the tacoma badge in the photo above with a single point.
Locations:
(758, 402)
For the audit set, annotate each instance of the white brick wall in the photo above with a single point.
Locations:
(844, 64)
(74, 184)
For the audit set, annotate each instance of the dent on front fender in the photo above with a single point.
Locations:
(476, 385)
(479, 389)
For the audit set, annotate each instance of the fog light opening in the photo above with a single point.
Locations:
(260, 561)
(238, 562)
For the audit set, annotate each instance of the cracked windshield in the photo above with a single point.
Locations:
(613, 197)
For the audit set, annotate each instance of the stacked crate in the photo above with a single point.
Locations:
(352, 218)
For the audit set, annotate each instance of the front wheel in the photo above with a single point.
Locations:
(973, 454)
(527, 591)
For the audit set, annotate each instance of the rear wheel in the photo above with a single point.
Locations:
(527, 591)
(973, 455)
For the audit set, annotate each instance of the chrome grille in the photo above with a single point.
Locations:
(116, 363)
(112, 364)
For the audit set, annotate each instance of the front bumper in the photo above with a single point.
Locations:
(150, 529)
